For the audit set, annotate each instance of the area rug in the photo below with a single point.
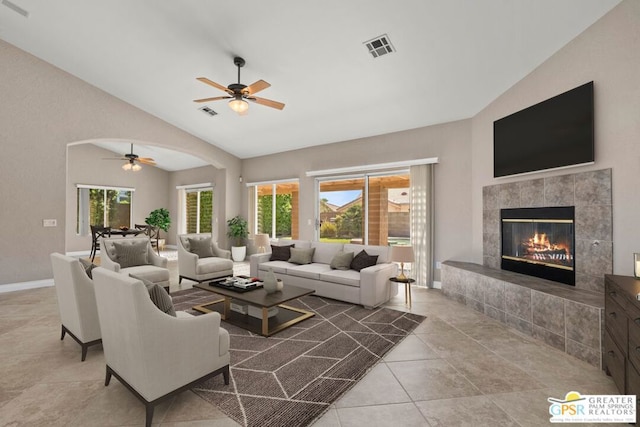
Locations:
(291, 378)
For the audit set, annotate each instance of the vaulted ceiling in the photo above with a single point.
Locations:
(451, 59)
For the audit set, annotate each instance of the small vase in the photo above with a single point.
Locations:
(270, 283)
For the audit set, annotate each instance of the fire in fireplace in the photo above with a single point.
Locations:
(539, 242)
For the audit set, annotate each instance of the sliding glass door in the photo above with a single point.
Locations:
(371, 209)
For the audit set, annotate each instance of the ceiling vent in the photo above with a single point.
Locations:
(379, 46)
(208, 110)
(15, 8)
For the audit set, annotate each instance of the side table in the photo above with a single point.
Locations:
(407, 288)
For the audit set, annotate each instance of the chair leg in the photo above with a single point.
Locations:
(180, 280)
(64, 332)
(84, 351)
(225, 375)
(149, 414)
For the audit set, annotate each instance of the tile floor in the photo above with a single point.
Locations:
(458, 368)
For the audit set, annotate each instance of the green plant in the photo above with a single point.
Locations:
(238, 229)
(159, 218)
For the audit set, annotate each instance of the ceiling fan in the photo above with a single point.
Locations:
(239, 93)
(133, 161)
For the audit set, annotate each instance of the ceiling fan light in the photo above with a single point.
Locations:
(239, 105)
(136, 167)
(127, 166)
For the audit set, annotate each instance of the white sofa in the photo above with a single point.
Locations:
(369, 287)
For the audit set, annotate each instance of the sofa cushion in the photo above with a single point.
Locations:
(381, 251)
(311, 271)
(148, 272)
(276, 266)
(363, 260)
(344, 277)
(341, 261)
(130, 254)
(201, 247)
(159, 296)
(280, 253)
(213, 265)
(302, 255)
(325, 251)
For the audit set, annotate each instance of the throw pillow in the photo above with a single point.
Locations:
(302, 256)
(281, 253)
(159, 296)
(363, 260)
(131, 254)
(341, 261)
(88, 267)
(201, 247)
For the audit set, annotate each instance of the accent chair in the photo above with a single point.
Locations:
(135, 256)
(76, 302)
(200, 258)
(153, 354)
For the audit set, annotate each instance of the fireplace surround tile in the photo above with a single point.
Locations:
(494, 313)
(518, 301)
(582, 324)
(554, 340)
(547, 311)
(491, 221)
(582, 352)
(590, 283)
(596, 257)
(490, 197)
(493, 292)
(593, 188)
(491, 244)
(519, 324)
(531, 193)
(594, 222)
(559, 190)
(508, 195)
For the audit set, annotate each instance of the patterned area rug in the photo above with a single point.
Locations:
(291, 378)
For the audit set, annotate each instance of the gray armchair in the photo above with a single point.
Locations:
(155, 355)
(212, 263)
(76, 302)
(143, 263)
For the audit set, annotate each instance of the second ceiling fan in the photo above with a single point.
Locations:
(239, 93)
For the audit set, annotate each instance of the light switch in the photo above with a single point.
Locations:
(49, 223)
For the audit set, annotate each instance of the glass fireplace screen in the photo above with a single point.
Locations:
(547, 242)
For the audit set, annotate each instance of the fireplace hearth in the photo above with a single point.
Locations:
(539, 242)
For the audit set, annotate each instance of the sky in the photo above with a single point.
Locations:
(340, 198)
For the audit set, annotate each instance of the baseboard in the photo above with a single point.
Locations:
(437, 285)
(23, 286)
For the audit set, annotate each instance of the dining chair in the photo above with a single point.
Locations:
(98, 232)
(152, 232)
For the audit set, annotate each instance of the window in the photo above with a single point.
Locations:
(199, 210)
(371, 209)
(97, 205)
(275, 209)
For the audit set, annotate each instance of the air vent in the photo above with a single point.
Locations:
(379, 46)
(15, 8)
(208, 110)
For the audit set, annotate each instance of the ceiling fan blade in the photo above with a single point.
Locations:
(215, 98)
(214, 84)
(267, 102)
(256, 87)
(146, 161)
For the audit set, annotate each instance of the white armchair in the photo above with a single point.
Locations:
(145, 264)
(155, 355)
(200, 268)
(76, 302)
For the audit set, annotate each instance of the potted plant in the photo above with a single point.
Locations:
(238, 232)
(161, 219)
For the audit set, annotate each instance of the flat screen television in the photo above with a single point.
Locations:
(554, 133)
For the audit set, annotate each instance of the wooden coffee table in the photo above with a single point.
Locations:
(267, 326)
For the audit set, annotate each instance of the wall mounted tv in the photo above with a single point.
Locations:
(552, 134)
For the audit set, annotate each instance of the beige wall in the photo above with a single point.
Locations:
(449, 142)
(42, 109)
(199, 176)
(85, 165)
(608, 54)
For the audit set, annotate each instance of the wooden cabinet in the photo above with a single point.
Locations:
(621, 358)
